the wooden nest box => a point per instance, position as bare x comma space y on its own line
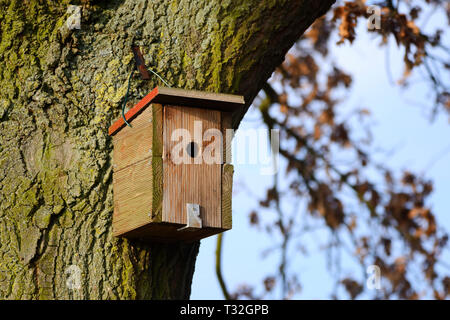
165, 188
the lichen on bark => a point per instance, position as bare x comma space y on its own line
62, 88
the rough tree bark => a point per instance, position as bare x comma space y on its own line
61, 89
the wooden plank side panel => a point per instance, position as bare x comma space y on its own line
157, 122
133, 189
190, 183
157, 192
227, 195
142, 140
133, 144
226, 124
133, 113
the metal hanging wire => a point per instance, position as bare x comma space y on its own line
140, 66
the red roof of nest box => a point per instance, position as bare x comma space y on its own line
181, 97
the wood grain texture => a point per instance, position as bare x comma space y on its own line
131, 114
227, 195
133, 144
137, 177
190, 183
133, 196
181, 97
149, 191
199, 99
157, 192
226, 124
157, 122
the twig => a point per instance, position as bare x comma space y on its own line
225, 292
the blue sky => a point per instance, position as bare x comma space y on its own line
400, 125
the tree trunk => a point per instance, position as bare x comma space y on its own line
60, 91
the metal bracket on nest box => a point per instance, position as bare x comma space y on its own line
140, 64
193, 217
